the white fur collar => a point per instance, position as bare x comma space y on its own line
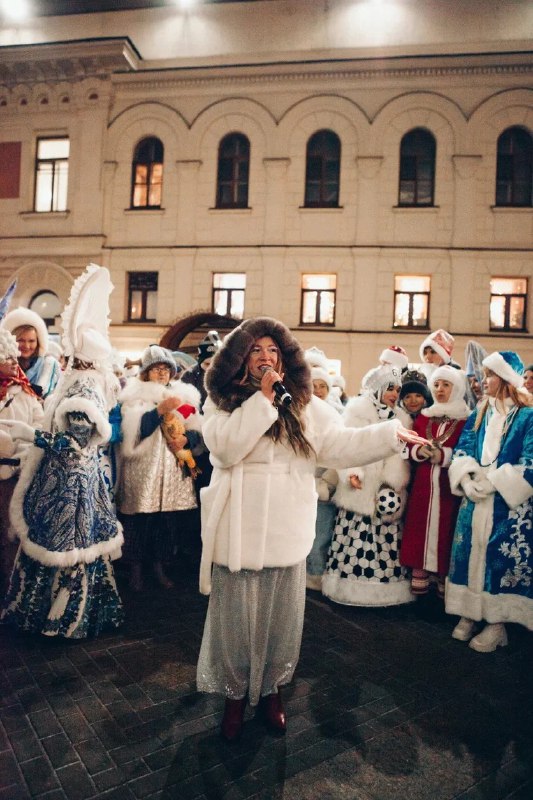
455, 410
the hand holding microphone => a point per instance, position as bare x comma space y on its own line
283, 397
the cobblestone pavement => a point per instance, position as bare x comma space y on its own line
384, 705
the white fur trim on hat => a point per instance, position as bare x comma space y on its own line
338, 380
55, 350
8, 346
25, 316
441, 342
394, 355
319, 374
498, 364
316, 358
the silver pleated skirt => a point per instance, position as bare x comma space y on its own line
253, 631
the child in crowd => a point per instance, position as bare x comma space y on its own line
363, 566
431, 507
492, 557
414, 394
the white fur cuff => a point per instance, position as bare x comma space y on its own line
514, 488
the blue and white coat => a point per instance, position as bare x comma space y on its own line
491, 570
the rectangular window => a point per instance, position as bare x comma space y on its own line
508, 304
228, 294
51, 174
411, 301
319, 294
142, 296
10, 170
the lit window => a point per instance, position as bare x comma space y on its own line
508, 302
514, 169
147, 174
228, 294
322, 170
417, 168
142, 296
51, 174
233, 171
411, 301
318, 299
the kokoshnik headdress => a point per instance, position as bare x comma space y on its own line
85, 318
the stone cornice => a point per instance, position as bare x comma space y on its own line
66, 61
351, 71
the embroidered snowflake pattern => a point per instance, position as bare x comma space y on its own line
518, 551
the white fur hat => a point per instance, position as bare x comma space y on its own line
379, 378
25, 316
8, 346
394, 355
85, 318
455, 376
319, 374
54, 349
316, 358
338, 380
441, 342
507, 365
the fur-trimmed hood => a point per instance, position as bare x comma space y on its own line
227, 367
25, 316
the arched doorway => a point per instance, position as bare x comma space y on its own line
187, 333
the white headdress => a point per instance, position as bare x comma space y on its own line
85, 318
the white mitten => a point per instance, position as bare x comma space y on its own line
19, 430
472, 490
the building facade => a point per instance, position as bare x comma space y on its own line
365, 194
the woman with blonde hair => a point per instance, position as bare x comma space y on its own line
491, 569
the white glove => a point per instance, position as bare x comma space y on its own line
473, 491
19, 430
484, 486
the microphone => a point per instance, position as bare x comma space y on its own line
282, 395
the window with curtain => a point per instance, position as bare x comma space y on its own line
322, 170
514, 168
142, 296
411, 301
319, 294
147, 174
417, 168
233, 171
508, 304
51, 174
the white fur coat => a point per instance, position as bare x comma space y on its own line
392, 471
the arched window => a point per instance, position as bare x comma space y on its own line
47, 304
417, 168
147, 174
514, 168
233, 171
323, 161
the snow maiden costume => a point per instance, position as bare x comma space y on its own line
258, 517
44, 370
431, 507
363, 566
491, 569
63, 582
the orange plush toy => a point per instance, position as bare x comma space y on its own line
172, 426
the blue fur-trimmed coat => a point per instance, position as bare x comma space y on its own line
491, 569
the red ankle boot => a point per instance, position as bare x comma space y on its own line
232, 720
272, 711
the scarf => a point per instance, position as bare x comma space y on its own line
20, 379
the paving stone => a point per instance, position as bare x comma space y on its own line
15, 791
119, 775
59, 750
26, 745
93, 709
76, 726
76, 782
45, 723
9, 769
39, 775
14, 719
94, 755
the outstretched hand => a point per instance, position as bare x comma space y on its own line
410, 437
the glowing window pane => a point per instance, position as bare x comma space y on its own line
319, 281
508, 286
497, 312
411, 283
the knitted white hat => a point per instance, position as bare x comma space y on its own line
507, 365
394, 355
319, 374
441, 342
154, 354
8, 346
25, 316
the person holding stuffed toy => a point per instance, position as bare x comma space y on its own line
363, 567
431, 507
156, 494
491, 570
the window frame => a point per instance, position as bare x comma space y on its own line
308, 290
236, 181
412, 294
417, 179
149, 183
144, 296
56, 176
229, 291
325, 162
510, 163
506, 328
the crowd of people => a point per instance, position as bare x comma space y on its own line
255, 466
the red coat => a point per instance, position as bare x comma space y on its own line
431, 507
